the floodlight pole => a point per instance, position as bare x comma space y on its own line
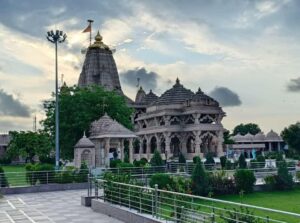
57, 37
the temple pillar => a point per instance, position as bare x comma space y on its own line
270, 147
278, 146
148, 152
168, 150
197, 145
196, 118
131, 150
106, 153
220, 144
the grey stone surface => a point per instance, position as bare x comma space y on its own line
123, 214
43, 188
49, 207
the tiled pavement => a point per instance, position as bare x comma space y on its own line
49, 207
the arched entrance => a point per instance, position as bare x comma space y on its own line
86, 157
144, 146
206, 144
190, 145
175, 146
153, 144
162, 145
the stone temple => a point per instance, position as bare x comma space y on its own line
178, 121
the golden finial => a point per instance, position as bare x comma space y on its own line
98, 37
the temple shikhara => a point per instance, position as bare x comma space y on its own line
178, 121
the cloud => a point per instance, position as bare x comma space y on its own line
11, 106
226, 97
294, 85
148, 79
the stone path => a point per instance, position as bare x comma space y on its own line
49, 207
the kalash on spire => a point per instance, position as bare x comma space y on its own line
99, 67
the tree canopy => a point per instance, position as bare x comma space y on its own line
78, 108
243, 129
291, 135
28, 144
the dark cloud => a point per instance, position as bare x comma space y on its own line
148, 79
11, 106
226, 97
294, 85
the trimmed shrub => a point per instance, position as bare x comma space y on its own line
31, 177
196, 159
260, 159
114, 163
200, 180
5, 160
3, 180
270, 182
209, 159
244, 180
45, 173
143, 161
181, 158
82, 174
242, 162
229, 165
124, 165
162, 180
298, 176
64, 177
284, 180
156, 159
223, 160
221, 184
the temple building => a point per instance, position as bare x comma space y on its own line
107, 141
178, 121
252, 145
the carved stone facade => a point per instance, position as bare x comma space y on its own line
179, 121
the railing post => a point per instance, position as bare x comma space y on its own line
156, 199
129, 203
47, 175
175, 209
268, 219
89, 186
140, 201
96, 190
181, 214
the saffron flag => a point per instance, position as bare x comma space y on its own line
87, 29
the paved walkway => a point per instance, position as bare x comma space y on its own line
49, 207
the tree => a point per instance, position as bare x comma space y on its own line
3, 180
156, 159
227, 139
28, 144
242, 162
291, 135
284, 180
243, 129
244, 180
200, 180
79, 107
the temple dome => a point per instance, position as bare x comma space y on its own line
203, 99
178, 94
259, 136
248, 137
106, 127
84, 142
150, 97
140, 95
273, 136
99, 67
237, 137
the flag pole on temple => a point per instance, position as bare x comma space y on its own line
89, 29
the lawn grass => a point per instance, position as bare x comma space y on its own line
15, 175
280, 200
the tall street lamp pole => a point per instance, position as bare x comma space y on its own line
56, 37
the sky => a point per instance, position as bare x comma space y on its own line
244, 53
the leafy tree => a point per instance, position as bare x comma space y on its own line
223, 160
3, 180
244, 180
196, 159
227, 139
242, 162
156, 159
200, 180
28, 144
291, 135
79, 107
181, 158
243, 129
